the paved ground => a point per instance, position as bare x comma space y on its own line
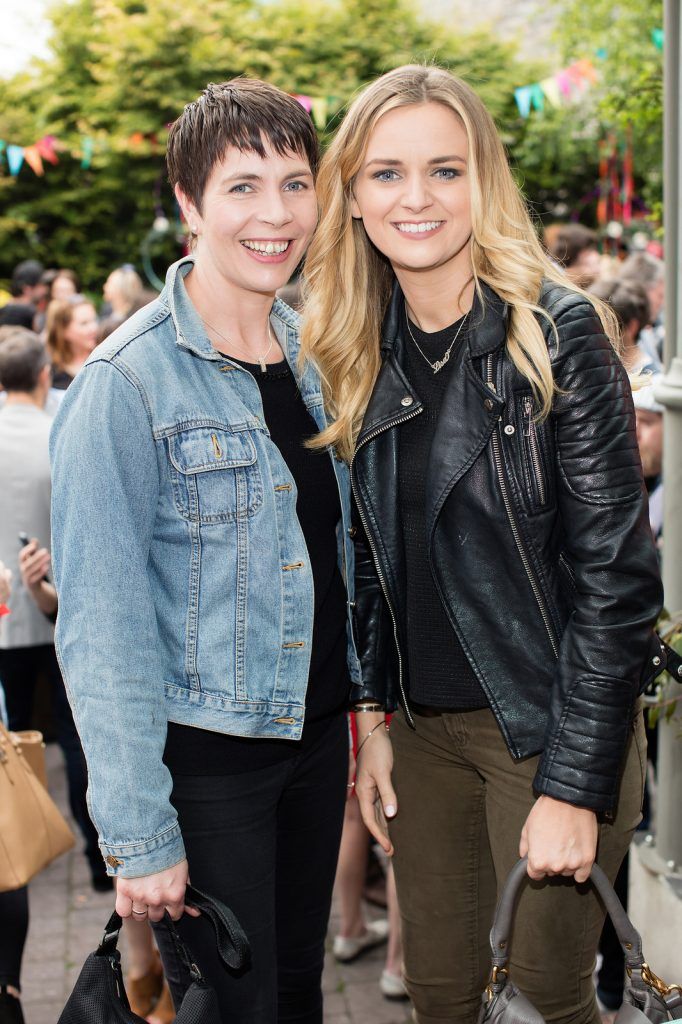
67, 920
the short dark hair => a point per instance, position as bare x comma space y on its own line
644, 268
245, 113
22, 357
26, 274
570, 240
627, 299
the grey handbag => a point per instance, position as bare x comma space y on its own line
646, 997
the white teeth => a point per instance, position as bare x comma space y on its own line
267, 248
416, 229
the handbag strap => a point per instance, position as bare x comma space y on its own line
231, 941
628, 936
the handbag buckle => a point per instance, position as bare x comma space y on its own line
494, 977
653, 981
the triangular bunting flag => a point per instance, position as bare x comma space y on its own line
658, 38
563, 80
46, 148
88, 149
15, 158
537, 96
34, 160
319, 111
523, 97
551, 89
587, 70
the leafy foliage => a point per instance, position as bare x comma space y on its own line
121, 67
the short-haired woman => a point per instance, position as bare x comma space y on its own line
200, 553
495, 467
71, 336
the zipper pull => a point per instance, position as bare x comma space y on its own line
528, 411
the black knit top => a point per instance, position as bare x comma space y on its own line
439, 672
192, 751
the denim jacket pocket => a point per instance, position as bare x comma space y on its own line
215, 474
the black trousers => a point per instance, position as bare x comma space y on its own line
266, 843
13, 929
20, 668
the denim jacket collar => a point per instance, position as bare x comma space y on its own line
190, 333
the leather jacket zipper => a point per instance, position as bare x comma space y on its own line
530, 433
497, 457
382, 582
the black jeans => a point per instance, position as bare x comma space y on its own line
266, 843
20, 668
13, 928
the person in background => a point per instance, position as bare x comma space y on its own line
123, 293
649, 271
72, 334
27, 634
628, 300
28, 291
574, 247
65, 285
649, 416
14, 904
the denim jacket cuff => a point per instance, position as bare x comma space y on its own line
132, 860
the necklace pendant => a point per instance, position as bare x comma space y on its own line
440, 363
263, 367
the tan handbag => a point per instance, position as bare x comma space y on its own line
32, 830
33, 748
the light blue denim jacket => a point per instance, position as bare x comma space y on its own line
185, 589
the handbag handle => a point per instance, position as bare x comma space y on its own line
232, 944
628, 936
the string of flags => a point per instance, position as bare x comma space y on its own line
563, 87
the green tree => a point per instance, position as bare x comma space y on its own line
121, 67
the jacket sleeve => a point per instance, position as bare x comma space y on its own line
104, 499
374, 638
607, 539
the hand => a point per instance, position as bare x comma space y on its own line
559, 839
149, 896
373, 786
350, 788
34, 564
5, 583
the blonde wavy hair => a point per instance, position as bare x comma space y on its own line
348, 282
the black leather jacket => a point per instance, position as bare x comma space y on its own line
539, 542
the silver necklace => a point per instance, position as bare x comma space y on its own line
439, 363
261, 358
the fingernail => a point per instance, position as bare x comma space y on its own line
389, 810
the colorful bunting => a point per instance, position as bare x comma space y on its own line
88, 149
46, 147
34, 160
15, 158
305, 101
320, 109
550, 88
523, 98
658, 38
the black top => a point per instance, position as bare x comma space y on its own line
62, 379
438, 670
192, 751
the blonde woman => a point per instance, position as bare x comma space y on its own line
508, 605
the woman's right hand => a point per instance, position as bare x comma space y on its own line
149, 896
373, 786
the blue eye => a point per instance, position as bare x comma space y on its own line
387, 175
296, 186
242, 189
447, 173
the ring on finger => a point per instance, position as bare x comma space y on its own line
140, 913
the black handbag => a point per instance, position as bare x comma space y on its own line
99, 996
646, 999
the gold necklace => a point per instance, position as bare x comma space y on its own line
260, 359
439, 363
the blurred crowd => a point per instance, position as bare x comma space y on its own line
48, 329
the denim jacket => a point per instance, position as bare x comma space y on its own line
185, 589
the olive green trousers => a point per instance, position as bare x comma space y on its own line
462, 802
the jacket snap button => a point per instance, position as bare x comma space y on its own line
407, 400
489, 404
352, 531
509, 429
657, 660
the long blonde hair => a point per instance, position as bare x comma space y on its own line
348, 282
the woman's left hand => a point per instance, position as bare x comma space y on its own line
559, 839
350, 788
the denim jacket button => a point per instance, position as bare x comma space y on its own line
352, 531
